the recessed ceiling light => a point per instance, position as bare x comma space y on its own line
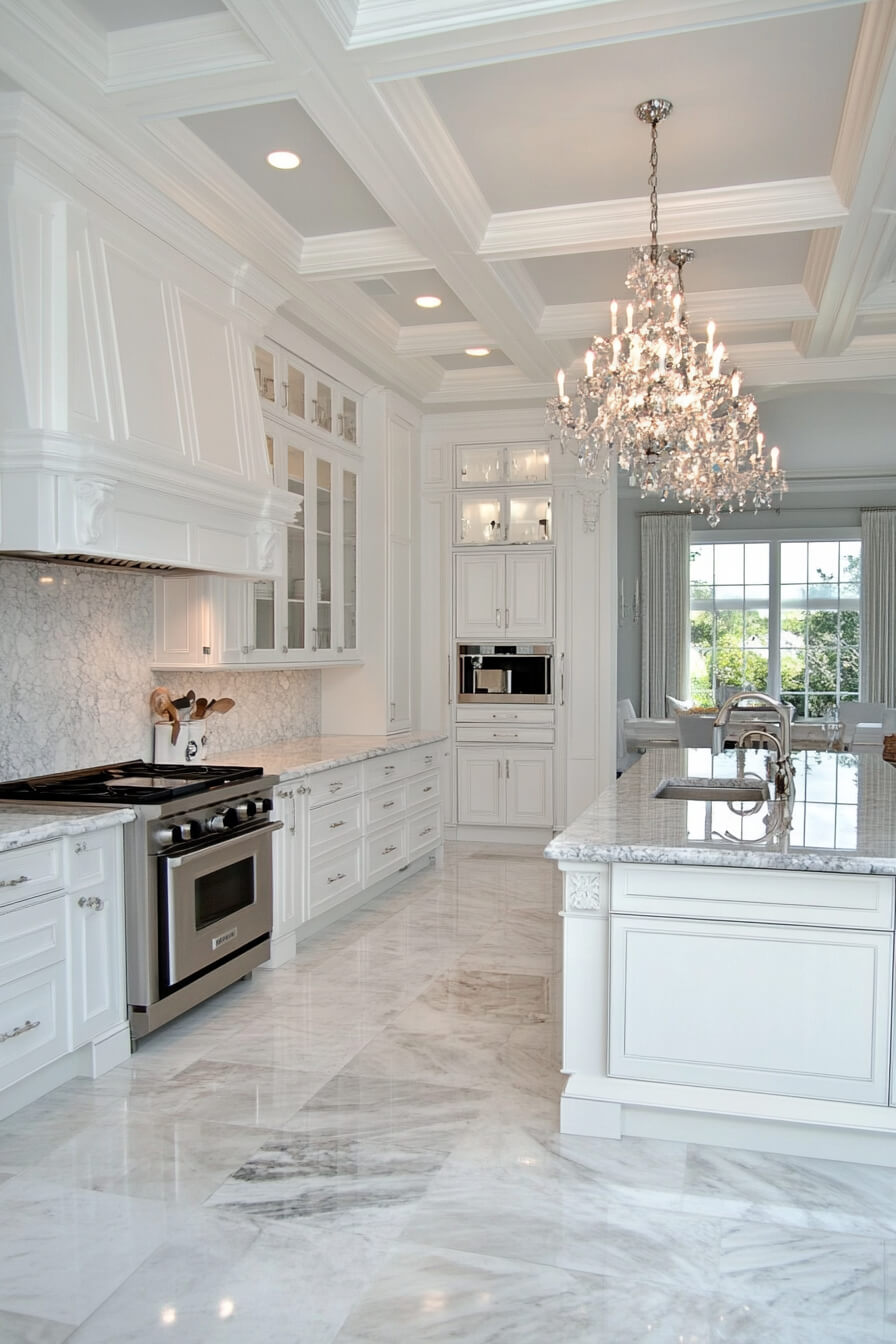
428, 301
283, 158
477, 351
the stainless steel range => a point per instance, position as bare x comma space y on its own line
198, 874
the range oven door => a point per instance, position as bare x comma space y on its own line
213, 901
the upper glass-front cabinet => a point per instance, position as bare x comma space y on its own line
503, 464
503, 517
299, 394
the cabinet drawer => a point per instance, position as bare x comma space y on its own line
31, 871
330, 784
334, 878
90, 859
384, 805
524, 717
468, 732
831, 900
32, 1022
336, 823
423, 789
31, 937
424, 831
418, 759
384, 852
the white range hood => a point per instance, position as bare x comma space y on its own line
130, 426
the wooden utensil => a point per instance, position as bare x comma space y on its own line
160, 702
220, 706
199, 708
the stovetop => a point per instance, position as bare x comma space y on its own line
127, 782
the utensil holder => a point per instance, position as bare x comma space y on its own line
191, 747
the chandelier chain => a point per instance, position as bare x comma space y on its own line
652, 181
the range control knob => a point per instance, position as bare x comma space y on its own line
191, 830
224, 820
247, 809
264, 804
169, 835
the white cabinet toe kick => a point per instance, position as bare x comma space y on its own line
742, 1007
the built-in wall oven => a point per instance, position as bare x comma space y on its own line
521, 674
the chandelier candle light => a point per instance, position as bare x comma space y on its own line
660, 403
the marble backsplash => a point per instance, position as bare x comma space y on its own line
76, 655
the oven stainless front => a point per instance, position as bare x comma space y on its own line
214, 900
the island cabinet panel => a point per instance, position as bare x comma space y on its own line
803, 1012
832, 900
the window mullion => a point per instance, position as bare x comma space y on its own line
774, 620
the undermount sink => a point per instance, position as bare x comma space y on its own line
714, 790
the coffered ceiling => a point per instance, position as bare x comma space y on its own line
486, 152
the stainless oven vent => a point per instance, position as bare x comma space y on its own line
96, 561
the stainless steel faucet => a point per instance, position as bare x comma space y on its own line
780, 742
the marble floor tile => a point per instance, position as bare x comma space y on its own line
492, 996
411, 1114
18, 1329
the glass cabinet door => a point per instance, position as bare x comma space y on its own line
264, 615
530, 464
294, 390
295, 551
264, 375
480, 520
348, 420
480, 465
349, 560
322, 405
529, 519
323, 631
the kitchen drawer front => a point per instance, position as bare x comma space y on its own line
424, 831
31, 871
468, 732
32, 937
330, 784
423, 790
384, 852
523, 717
388, 769
336, 823
32, 1022
828, 900
334, 878
90, 859
385, 805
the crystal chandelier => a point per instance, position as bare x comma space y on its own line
661, 404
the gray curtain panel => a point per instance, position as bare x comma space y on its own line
665, 610
879, 605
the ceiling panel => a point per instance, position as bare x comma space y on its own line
408, 284
558, 129
720, 263
114, 15
461, 361
321, 196
876, 324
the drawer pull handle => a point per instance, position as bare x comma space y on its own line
334, 788
334, 825
14, 881
428, 789
91, 903
18, 1031
388, 769
337, 878
426, 830
390, 849
392, 804
427, 760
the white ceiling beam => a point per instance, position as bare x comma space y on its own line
863, 160
772, 363
364, 252
719, 212
500, 382
726, 307
156, 53
441, 338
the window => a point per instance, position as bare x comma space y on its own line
776, 616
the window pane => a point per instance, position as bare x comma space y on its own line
756, 562
824, 561
701, 565
793, 562
729, 564
850, 561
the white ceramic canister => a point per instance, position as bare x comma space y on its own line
191, 747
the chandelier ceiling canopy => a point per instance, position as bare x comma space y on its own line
661, 404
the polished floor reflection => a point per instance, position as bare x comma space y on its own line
362, 1147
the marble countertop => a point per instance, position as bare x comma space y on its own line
307, 755
28, 823
843, 819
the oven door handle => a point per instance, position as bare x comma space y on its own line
180, 860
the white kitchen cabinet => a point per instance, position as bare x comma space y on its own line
400, 654
506, 595
503, 518
290, 875
505, 785
479, 464
201, 620
95, 899
302, 396
798, 1011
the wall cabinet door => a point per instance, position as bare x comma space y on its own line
400, 578
479, 596
96, 934
529, 595
803, 1012
300, 395
528, 781
505, 596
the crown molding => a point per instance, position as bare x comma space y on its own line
156, 53
437, 155
881, 300
873, 56
777, 362
496, 383
379, 21
719, 212
477, 426
731, 307
69, 32
440, 338
363, 252
342, 15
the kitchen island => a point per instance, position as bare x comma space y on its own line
728, 966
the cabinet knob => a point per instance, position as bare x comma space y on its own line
91, 903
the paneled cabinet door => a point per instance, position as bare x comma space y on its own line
505, 596
802, 1012
96, 933
290, 860
528, 781
479, 596
480, 786
529, 596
